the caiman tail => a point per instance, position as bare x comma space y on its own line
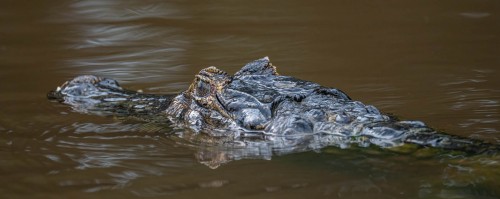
452, 142
394, 133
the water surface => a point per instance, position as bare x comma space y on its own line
437, 62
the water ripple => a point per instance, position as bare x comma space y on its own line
475, 15
121, 10
469, 94
117, 39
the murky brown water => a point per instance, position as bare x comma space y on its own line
435, 61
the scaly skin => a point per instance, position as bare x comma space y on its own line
102, 96
259, 108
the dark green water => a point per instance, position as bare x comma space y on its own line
434, 61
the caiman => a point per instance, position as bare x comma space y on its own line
258, 107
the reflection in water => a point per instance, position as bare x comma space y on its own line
436, 61
387, 100
116, 11
97, 157
115, 39
469, 95
111, 156
175, 188
475, 15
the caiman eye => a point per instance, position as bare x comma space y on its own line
202, 89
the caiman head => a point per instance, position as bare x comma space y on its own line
86, 86
212, 106
89, 93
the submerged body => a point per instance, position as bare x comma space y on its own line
257, 106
